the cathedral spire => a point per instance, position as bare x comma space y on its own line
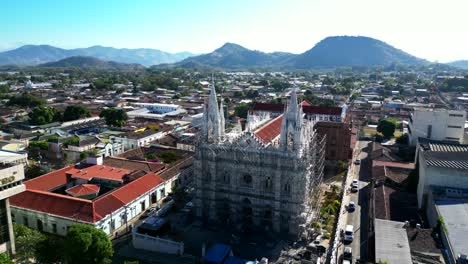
213, 125
291, 124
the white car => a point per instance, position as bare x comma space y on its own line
355, 183
349, 233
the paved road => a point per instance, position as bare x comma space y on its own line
358, 220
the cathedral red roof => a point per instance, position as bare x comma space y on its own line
270, 130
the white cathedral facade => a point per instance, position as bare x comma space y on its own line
266, 177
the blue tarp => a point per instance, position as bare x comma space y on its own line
217, 254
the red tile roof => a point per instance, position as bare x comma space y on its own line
125, 194
393, 164
270, 130
49, 181
36, 197
55, 204
307, 108
83, 189
305, 103
99, 171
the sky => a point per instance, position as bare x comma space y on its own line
433, 30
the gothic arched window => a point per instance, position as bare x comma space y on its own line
287, 188
268, 183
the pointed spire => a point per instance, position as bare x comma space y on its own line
214, 122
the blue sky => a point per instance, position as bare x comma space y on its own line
435, 30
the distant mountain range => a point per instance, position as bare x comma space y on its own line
91, 62
329, 53
462, 64
39, 54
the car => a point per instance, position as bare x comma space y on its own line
345, 261
357, 162
354, 189
355, 183
351, 206
348, 254
349, 233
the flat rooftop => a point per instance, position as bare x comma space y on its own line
455, 215
391, 242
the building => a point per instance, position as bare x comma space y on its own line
156, 110
437, 124
338, 143
391, 242
260, 178
447, 210
103, 196
441, 164
132, 140
11, 181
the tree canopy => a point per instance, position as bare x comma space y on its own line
44, 115
114, 117
87, 244
74, 112
26, 100
387, 127
242, 110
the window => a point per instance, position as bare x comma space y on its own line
143, 205
452, 138
456, 115
287, 188
13, 219
429, 131
25, 221
247, 179
268, 184
54, 228
112, 224
454, 127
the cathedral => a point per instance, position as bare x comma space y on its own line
266, 177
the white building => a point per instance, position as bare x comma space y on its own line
437, 124
55, 201
132, 140
441, 164
11, 183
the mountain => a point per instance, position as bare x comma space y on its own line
462, 64
91, 62
38, 54
234, 56
352, 51
329, 53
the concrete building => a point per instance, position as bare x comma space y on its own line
338, 143
391, 242
261, 178
447, 209
437, 124
132, 140
103, 196
11, 183
441, 164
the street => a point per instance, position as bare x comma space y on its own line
356, 219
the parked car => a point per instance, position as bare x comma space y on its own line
351, 206
354, 189
355, 183
348, 254
357, 162
349, 233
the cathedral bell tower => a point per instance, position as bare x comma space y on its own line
290, 138
213, 118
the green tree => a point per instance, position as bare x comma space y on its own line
242, 109
74, 112
26, 100
26, 243
87, 244
5, 259
33, 171
44, 115
387, 127
114, 117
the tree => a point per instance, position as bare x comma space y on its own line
387, 127
26, 243
114, 117
33, 171
87, 244
42, 115
74, 112
242, 109
5, 259
26, 100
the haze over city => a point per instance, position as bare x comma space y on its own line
426, 29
